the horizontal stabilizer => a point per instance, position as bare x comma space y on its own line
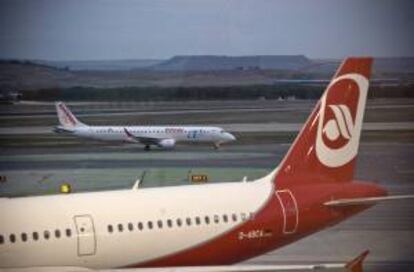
365, 200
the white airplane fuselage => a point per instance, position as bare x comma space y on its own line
161, 136
177, 133
89, 215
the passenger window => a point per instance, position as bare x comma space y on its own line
1, 239
159, 224
225, 219
243, 216
188, 220
130, 226
179, 222
69, 232
120, 227
207, 220
150, 224
46, 234
110, 228
35, 236
57, 234
216, 219
140, 226
169, 223
24, 237
234, 217
251, 216
12, 238
197, 220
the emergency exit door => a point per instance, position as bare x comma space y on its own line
86, 235
290, 211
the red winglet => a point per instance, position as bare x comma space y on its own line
355, 265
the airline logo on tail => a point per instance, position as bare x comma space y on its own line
66, 118
340, 120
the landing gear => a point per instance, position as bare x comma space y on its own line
217, 146
147, 148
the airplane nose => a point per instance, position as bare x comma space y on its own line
231, 137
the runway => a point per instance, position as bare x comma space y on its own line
36, 161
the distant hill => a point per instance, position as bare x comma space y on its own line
219, 63
391, 65
101, 65
298, 63
24, 75
186, 71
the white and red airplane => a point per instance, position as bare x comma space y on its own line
210, 225
164, 137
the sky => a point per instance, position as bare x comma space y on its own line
160, 29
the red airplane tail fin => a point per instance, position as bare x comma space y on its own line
326, 148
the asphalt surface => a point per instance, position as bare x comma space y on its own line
387, 229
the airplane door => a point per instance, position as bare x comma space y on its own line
86, 235
290, 211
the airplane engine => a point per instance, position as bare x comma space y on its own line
167, 143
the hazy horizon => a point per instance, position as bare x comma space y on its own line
164, 59
107, 30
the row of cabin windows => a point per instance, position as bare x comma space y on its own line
216, 219
35, 236
147, 131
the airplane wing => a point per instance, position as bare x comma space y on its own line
143, 140
365, 200
355, 265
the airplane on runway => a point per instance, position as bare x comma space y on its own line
214, 225
164, 137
